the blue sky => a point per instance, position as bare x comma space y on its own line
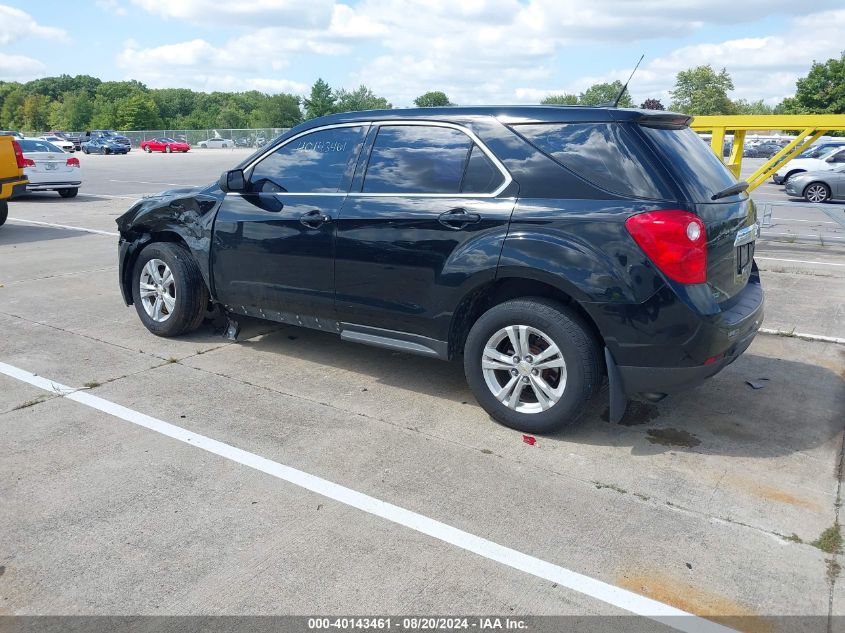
477, 51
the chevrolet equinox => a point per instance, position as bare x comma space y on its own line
549, 247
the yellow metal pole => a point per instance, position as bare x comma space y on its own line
801, 142
717, 141
735, 159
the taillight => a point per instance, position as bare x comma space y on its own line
675, 241
19, 155
73, 162
28, 162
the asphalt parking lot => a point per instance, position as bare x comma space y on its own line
292, 473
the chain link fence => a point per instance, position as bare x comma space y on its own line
197, 138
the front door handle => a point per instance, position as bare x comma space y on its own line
314, 219
458, 218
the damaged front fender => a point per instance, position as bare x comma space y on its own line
179, 215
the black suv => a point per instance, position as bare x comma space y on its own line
548, 246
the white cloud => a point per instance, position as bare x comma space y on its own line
16, 25
111, 6
291, 13
20, 68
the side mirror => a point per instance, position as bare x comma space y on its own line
232, 180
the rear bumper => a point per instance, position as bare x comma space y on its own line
10, 190
677, 348
50, 186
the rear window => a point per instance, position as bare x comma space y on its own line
691, 161
606, 154
38, 146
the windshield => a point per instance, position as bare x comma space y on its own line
38, 146
690, 160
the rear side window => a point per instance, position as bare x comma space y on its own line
314, 163
606, 154
691, 161
481, 174
417, 159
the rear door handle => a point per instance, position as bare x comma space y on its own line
458, 218
314, 219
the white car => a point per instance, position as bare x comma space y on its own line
48, 168
66, 145
216, 143
833, 158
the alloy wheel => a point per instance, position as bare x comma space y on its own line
816, 193
157, 290
524, 369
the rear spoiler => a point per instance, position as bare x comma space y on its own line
664, 120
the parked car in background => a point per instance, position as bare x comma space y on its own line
831, 159
104, 145
74, 138
49, 168
11, 133
260, 141
217, 143
243, 142
819, 149
58, 141
762, 150
113, 136
164, 144
545, 247
12, 178
818, 186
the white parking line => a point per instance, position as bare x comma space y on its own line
145, 182
65, 226
607, 593
812, 235
803, 335
108, 195
799, 261
797, 220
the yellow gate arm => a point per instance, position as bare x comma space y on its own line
812, 126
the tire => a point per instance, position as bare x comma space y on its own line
203, 146
816, 192
187, 291
106, 150
547, 322
69, 192
4, 212
167, 149
148, 149
85, 151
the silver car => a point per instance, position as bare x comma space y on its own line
818, 186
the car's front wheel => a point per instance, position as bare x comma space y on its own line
532, 364
168, 290
4, 212
816, 192
167, 149
69, 192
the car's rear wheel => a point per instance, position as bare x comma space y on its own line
4, 212
816, 192
532, 364
106, 150
69, 192
167, 149
168, 290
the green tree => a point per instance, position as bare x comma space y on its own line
652, 104
362, 98
822, 91
701, 90
433, 99
137, 111
35, 113
281, 110
321, 101
72, 113
741, 106
598, 94
11, 112
561, 99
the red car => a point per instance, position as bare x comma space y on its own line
164, 145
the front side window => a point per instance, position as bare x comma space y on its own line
314, 163
411, 159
